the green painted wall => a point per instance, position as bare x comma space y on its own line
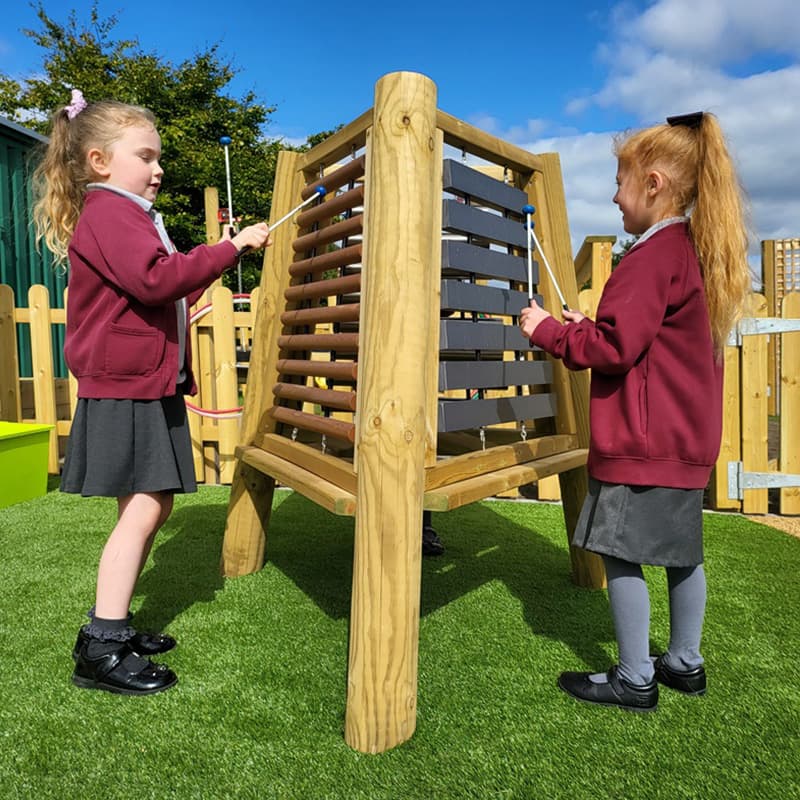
21, 264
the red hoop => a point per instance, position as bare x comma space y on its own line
222, 413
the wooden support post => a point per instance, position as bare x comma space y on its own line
572, 388
403, 186
211, 203
250, 504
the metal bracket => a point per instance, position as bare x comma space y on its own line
739, 480
752, 326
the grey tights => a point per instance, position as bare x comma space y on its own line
630, 609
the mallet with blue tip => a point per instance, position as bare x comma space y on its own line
319, 192
527, 211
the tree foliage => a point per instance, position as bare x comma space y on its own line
616, 256
191, 105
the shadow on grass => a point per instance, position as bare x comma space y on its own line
315, 550
184, 568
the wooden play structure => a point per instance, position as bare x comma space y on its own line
418, 264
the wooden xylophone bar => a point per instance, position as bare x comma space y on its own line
326, 261
332, 233
321, 314
351, 171
328, 288
343, 202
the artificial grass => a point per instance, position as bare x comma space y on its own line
259, 709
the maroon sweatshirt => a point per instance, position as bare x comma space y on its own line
656, 387
122, 329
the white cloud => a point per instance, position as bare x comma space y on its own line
719, 31
672, 59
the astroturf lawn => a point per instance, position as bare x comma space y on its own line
259, 708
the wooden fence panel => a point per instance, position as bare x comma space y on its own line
47, 399
44, 391
10, 408
225, 380
731, 444
754, 416
790, 406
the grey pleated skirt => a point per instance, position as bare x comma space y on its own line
122, 447
642, 524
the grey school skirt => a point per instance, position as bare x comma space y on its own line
642, 524
122, 447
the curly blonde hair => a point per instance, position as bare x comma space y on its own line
703, 183
62, 174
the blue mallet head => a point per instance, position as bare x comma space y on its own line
225, 140
321, 191
528, 210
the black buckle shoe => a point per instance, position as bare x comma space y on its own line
108, 673
432, 545
692, 681
617, 692
151, 644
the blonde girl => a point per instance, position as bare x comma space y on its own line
127, 345
655, 351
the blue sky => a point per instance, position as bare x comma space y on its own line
557, 77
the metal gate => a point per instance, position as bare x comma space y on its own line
741, 479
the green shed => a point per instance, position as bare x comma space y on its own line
22, 264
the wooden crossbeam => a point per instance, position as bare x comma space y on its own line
315, 488
336, 470
479, 462
470, 490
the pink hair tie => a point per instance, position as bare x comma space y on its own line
77, 104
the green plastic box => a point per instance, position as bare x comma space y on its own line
23, 461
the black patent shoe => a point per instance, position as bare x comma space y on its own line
692, 681
432, 545
151, 644
617, 692
108, 673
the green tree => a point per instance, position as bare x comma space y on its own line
616, 256
189, 101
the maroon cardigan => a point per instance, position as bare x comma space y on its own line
122, 331
656, 388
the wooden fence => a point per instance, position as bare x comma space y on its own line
221, 336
